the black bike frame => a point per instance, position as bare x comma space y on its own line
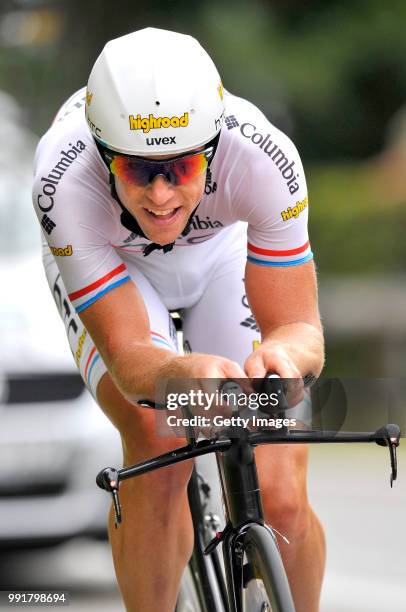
243, 506
239, 483
199, 562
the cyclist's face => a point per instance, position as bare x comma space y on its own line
161, 209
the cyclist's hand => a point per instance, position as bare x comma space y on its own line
202, 366
197, 376
273, 357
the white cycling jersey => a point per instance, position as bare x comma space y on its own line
255, 189
256, 177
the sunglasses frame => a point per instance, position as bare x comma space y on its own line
155, 164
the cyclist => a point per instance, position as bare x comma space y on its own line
147, 186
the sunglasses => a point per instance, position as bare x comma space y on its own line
140, 172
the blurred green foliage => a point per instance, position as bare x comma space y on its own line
354, 357
354, 229
331, 73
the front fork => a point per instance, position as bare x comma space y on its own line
233, 553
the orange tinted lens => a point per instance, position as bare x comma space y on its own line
188, 168
140, 172
130, 170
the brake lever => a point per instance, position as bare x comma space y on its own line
393, 462
389, 435
277, 386
108, 480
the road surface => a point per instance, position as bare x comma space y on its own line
349, 488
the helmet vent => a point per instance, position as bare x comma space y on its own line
157, 102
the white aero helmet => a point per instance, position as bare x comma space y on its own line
154, 92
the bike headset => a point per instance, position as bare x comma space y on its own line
160, 81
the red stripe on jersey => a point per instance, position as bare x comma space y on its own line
77, 294
277, 253
159, 335
92, 352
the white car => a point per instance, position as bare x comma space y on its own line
53, 437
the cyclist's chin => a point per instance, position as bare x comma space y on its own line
164, 230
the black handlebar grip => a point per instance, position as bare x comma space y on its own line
100, 480
388, 434
272, 384
107, 479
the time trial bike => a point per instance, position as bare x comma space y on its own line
251, 576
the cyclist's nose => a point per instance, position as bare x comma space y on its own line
160, 190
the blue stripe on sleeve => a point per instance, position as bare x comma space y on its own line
262, 262
101, 293
91, 368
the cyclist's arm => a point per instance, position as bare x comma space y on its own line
119, 326
284, 304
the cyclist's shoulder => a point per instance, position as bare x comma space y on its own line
69, 174
72, 108
68, 136
67, 153
246, 127
257, 161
